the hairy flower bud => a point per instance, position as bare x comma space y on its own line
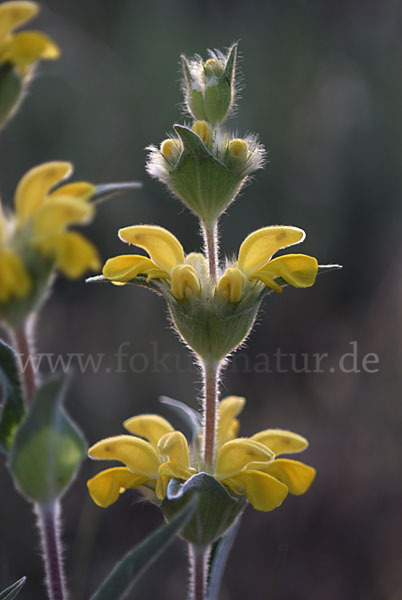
209, 87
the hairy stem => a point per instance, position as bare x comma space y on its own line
210, 376
211, 249
198, 557
48, 521
48, 514
22, 341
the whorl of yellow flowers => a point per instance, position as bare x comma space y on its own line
187, 275
157, 453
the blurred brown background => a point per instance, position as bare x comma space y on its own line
323, 90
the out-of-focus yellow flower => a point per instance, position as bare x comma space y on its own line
14, 279
24, 48
255, 263
39, 228
167, 261
246, 465
43, 216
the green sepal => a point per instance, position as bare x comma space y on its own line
11, 88
48, 447
200, 180
12, 408
13, 590
218, 96
230, 66
106, 191
217, 510
191, 417
133, 565
194, 97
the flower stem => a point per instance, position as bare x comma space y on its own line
198, 556
48, 521
22, 341
210, 375
48, 514
211, 249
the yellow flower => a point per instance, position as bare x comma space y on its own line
167, 261
40, 224
255, 263
151, 462
24, 48
44, 216
246, 465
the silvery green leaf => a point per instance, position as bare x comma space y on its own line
133, 565
154, 285
190, 416
13, 590
12, 408
107, 190
219, 556
321, 269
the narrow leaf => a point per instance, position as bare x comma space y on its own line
321, 269
140, 280
105, 191
13, 590
190, 416
133, 565
220, 555
12, 409
48, 447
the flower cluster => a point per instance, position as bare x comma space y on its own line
248, 466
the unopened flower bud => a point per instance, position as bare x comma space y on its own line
214, 67
203, 130
209, 87
238, 149
170, 149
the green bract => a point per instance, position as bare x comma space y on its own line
204, 183
205, 168
216, 512
213, 328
